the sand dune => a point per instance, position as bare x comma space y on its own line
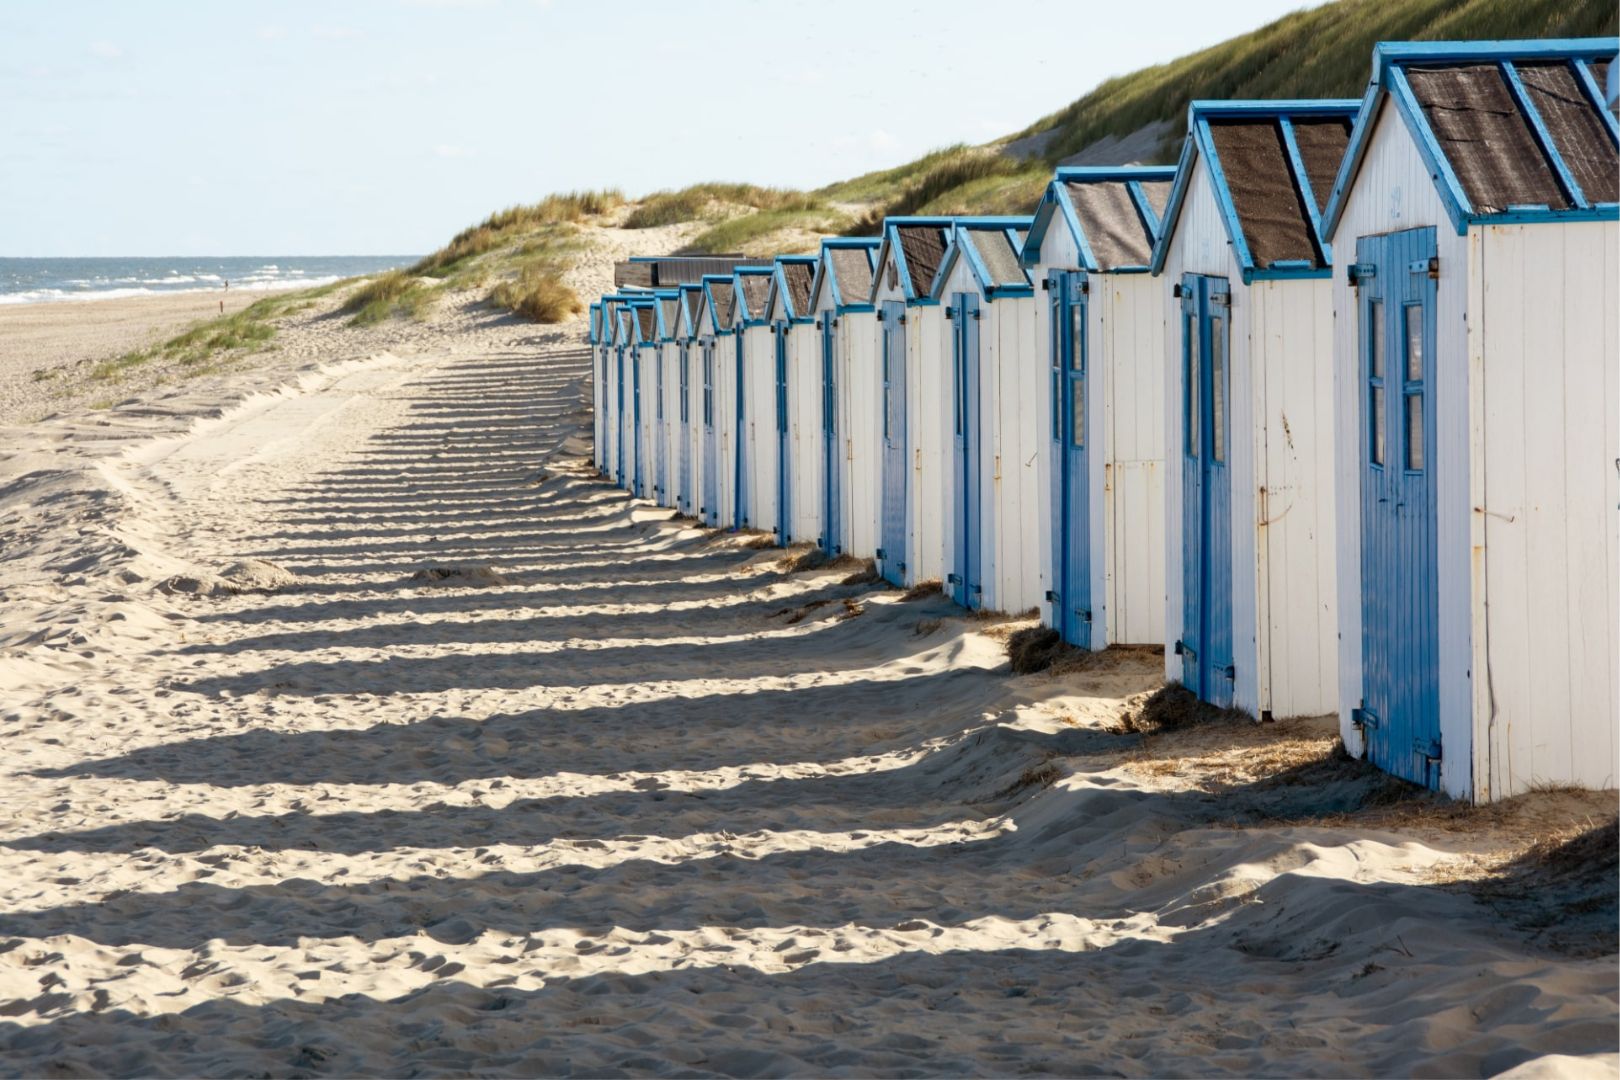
607, 806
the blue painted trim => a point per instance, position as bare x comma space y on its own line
1172, 209
1302, 181
1223, 195
962, 243
1599, 212
1521, 97
1595, 94
1044, 210
891, 242
1144, 209
828, 273
1388, 79
1450, 188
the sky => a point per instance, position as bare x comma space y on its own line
385, 126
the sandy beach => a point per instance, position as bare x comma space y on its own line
354, 727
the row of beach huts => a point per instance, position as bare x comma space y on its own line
1330, 409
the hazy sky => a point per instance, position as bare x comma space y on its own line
383, 126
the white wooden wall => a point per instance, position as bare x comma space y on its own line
648, 355
599, 408
929, 431
669, 359
804, 431
860, 397
1290, 342
1393, 191
1058, 252
694, 427
1128, 313
760, 386
1546, 355
725, 424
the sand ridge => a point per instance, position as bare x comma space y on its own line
612, 810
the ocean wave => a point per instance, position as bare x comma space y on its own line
50, 296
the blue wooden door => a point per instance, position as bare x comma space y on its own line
1206, 490
1400, 591
965, 578
832, 458
709, 510
739, 440
1071, 442
660, 468
894, 467
783, 471
683, 412
618, 416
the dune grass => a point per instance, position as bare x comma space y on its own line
768, 232
714, 200
398, 292
504, 226
247, 331
538, 293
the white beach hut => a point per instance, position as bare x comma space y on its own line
755, 468
717, 337
992, 497
665, 389
1477, 365
640, 407
1102, 348
911, 387
1250, 616
841, 302
594, 338
797, 403
619, 316
688, 397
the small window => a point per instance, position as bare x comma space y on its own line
1077, 402
1077, 337
1414, 431
1217, 372
958, 397
1413, 316
1191, 385
1375, 419
1375, 339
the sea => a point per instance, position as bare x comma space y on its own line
35, 281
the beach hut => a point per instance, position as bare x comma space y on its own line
688, 398
1102, 346
909, 387
1477, 364
662, 426
618, 467
841, 302
606, 368
640, 408
991, 495
797, 370
593, 338
1250, 617
717, 339
755, 466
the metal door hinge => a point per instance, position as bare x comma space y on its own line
1046, 284
1355, 273
1361, 719
902, 320
1051, 597
1230, 672
1430, 266
1085, 288
1175, 291
1427, 749
952, 579
1085, 615
975, 314
882, 554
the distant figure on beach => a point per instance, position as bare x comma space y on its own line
227, 282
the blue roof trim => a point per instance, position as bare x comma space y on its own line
1302, 180
1200, 142
890, 242
1544, 139
962, 244
745, 316
1389, 79
1055, 201
828, 273
592, 332
709, 281
1594, 93
779, 285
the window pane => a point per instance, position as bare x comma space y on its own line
1217, 371
1375, 425
1191, 387
1414, 431
1077, 401
1056, 321
1077, 337
1414, 342
1375, 339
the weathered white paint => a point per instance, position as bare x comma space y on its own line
1527, 395
725, 423
648, 355
1125, 330
1014, 483
1279, 462
759, 387
860, 397
804, 431
669, 363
